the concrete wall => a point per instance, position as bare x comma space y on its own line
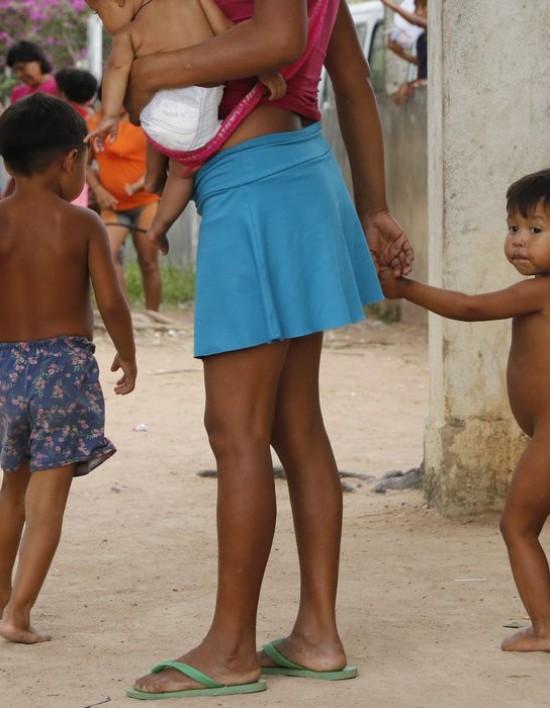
489, 112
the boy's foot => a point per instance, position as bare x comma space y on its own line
21, 635
526, 640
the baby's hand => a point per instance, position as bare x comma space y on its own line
275, 84
390, 284
127, 382
107, 128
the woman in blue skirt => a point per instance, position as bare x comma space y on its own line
282, 257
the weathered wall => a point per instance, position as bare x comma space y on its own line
489, 113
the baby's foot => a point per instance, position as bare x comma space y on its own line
526, 640
22, 635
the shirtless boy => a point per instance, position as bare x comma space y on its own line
178, 120
51, 405
527, 248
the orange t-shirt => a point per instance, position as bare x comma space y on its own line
122, 163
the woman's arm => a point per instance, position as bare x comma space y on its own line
362, 134
274, 36
410, 17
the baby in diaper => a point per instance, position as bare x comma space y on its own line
174, 120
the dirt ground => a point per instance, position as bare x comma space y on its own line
423, 600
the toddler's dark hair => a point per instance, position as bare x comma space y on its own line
78, 85
24, 51
527, 192
36, 129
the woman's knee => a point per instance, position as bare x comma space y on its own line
515, 526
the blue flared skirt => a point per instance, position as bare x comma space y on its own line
281, 251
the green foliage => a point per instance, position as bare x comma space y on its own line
177, 285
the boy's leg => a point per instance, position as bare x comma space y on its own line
45, 501
526, 510
148, 258
241, 388
12, 520
157, 169
302, 445
175, 197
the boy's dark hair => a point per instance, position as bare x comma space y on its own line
24, 51
79, 86
36, 129
527, 192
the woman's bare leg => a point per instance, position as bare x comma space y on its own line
526, 510
45, 501
12, 520
301, 442
241, 389
148, 259
117, 235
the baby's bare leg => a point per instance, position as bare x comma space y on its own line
157, 170
175, 197
526, 510
45, 501
12, 520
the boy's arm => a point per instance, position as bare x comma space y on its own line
113, 88
112, 305
519, 299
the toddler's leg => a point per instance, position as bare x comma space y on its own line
526, 510
157, 168
12, 520
45, 501
175, 197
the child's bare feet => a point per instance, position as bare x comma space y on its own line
526, 640
22, 635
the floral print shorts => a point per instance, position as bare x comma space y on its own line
52, 411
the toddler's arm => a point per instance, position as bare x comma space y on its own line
113, 89
520, 299
112, 305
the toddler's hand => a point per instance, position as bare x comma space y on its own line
127, 382
389, 283
275, 84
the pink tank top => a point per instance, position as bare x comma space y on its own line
302, 88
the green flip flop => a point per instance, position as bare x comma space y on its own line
211, 687
286, 667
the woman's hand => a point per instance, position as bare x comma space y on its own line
388, 244
104, 198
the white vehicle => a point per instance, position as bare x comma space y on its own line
369, 25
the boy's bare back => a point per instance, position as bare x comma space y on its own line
48, 251
168, 25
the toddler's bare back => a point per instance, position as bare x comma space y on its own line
168, 25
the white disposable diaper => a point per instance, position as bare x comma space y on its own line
182, 119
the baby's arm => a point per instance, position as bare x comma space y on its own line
113, 88
112, 305
217, 19
520, 299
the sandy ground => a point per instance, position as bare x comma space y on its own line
423, 600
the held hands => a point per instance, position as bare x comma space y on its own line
390, 284
275, 84
106, 128
388, 244
127, 382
